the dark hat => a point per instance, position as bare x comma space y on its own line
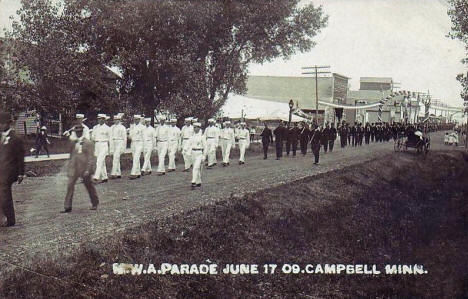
5, 118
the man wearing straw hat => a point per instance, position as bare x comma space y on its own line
243, 136
136, 136
174, 144
118, 144
228, 141
198, 146
185, 134
101, 137
80, 118
162, 142
212, 140
149, 144
80, 165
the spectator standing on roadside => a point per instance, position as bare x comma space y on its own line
42, 142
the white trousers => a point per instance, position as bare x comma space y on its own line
186, 154
162, 152
172, 150
101, 151
147, 151
226, 146
119, 149
211, 145
197, 158
137, 149
242, 148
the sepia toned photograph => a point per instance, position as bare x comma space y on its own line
234, 149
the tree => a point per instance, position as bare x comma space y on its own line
61, 76
187, 56
458, 12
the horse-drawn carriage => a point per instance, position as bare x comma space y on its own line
418, 140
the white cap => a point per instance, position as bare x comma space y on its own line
243, 123
161, 117
101, 115
197, 124
137, 116
107, 117
211, 120
44, 128
173, 120
195, 119
118, 116
79, 115
227, 122
188, 118
148, 119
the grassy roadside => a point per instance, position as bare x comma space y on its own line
404, 209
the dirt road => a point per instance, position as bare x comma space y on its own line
42, 230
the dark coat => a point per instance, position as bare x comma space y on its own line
332, 134
294, 134
324, 136
11, 159
280, 134
81, 162
304, 134
267, 136
315, 137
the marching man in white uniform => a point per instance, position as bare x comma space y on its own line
86, 132
227, 139
243, 136
162, 143
101, 137
118, 144
198, 146
149, 144
185, 134
212, 141
174, 144
136, 135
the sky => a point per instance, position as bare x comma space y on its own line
402, 39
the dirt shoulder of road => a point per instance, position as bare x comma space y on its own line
402, 209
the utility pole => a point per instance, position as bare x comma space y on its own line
316, 72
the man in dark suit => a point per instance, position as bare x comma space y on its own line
80, 165
280, 135
42, 141
331, 137
304, 135
324, 139
287, 138
267, 137
315, 140
294, 136
12, 168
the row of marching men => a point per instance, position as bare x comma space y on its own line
197, 146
